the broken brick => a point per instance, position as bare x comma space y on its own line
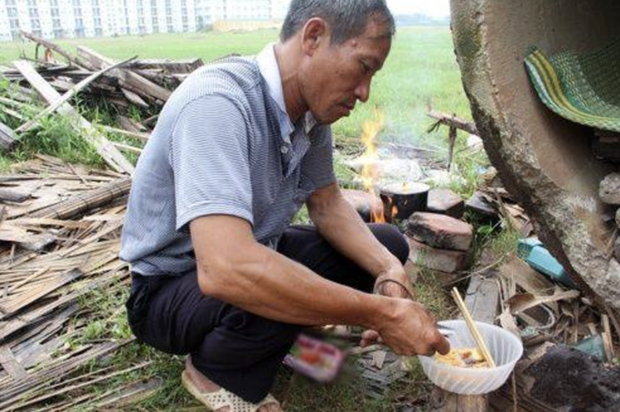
445, 202
441, 231
478, 204
447, 261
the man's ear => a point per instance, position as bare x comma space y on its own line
314, 33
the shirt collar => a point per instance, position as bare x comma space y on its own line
269, 69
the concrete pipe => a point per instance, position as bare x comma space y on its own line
543, 160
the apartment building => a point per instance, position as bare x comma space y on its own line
91, 18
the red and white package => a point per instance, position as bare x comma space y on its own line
314, 358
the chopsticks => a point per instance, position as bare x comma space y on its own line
473, 329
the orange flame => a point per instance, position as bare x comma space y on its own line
370, 158
393, 212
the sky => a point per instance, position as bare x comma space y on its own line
434, 8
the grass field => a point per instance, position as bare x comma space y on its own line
420, 71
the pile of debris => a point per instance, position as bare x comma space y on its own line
145, 84
75, 213
530, 294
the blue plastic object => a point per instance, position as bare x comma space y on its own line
537, 256
525, 246
593, 346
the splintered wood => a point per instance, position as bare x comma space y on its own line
46, 363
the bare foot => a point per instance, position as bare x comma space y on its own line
205, 385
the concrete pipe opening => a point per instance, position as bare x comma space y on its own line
543, 160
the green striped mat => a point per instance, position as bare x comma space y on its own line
584, 89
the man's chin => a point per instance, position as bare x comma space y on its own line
330, 118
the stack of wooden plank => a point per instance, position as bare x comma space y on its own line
146, 83
143, 84
59, 243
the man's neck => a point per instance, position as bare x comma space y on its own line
288, 64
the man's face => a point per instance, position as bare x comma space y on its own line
336, 77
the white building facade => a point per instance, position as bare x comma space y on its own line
92, 18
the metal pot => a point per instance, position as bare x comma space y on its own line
401, 200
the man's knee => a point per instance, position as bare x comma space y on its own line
392, 239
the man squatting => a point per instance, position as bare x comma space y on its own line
218, 272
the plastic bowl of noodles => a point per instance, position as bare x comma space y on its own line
463, 371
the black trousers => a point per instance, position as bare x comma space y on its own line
236, 349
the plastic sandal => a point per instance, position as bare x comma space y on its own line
223, 398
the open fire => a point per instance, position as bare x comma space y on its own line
370, 159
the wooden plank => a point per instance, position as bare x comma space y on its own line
11, 365
142, 136
170, 66
127, 77
7, 137
130, 125
128, 148
69, 388
20, 322
134, 98
9, 307
108, 152
85, 201
482, 299
49, 45
14, 195
68, 96
13, 391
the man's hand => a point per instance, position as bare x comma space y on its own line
411, 330
394, 283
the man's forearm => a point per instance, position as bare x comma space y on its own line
269, 284
342, 227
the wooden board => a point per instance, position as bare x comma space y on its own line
108, 152
7, 137
134, 81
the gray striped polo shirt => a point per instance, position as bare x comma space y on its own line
223, 145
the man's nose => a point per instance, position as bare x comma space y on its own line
362, 92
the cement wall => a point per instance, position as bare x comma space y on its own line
542, 159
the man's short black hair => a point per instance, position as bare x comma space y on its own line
347, 18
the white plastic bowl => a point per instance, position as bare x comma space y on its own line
505, 348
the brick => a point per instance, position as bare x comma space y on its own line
445, 202
478, 204
441, 231
441, 260
363, 202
